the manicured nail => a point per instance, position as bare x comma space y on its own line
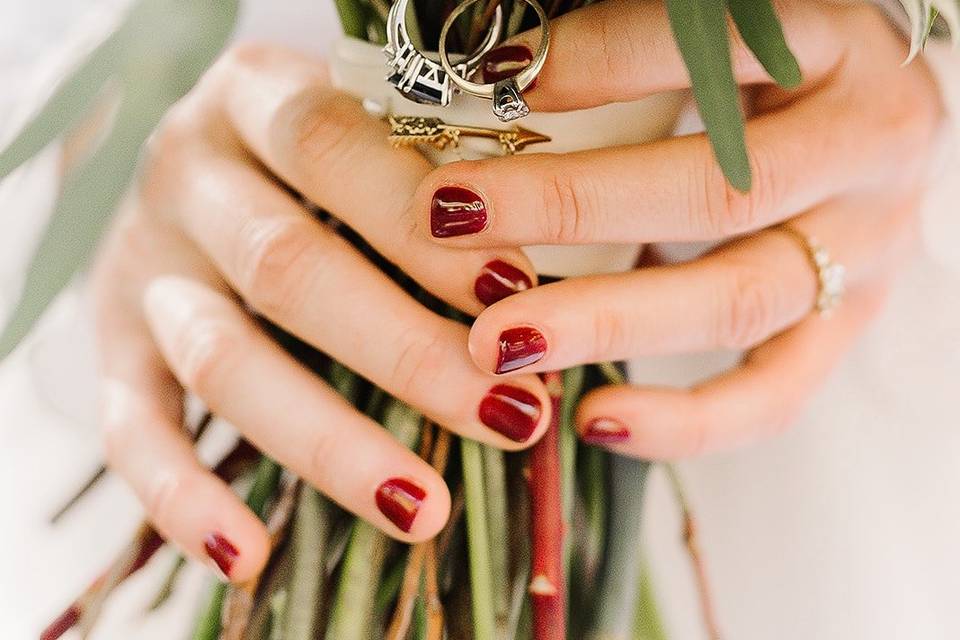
456, 211
399, 500
511, 411
221, 551
520, 347
605, 431
498, 280
505, 62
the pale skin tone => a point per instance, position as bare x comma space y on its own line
843, 158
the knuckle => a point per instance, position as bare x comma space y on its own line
747, 305
419, 365
162, 496
323, 447
202, 350
569, 208
270, 259
317, 126
725, 209
611, 335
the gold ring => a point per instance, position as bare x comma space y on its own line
831, 276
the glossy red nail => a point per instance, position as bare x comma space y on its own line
605, 431
520, 347
505, 62
399, 500
221, 551
456, 211
499, 280
511, 411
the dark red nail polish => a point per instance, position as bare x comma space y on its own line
520, 347
399, 500
221, 551
510, 411
605, 431
499, 280
505, 62
456, 211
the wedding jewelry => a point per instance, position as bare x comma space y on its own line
507, 95
831, 276
410, 130
417, 77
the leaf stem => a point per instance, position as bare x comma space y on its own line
481, 580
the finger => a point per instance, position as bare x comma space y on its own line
733, 298
632, 43
323, 144
141, 413
216, 351
758, 399
674, 190
310, 281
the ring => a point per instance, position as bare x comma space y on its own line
831, 276
507, 95
417, 77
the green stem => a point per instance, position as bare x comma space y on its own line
617, 601
495, 476
647, 623
481, 581
572, 391
351, 17
310, 530
351, 616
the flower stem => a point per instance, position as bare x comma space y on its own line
351, 614
481, 581
311, 527
495, 476
572, 390
617, 600
547, 587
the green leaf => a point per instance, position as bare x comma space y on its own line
164, 47
351, 18
69, 102
700, 28
760, 29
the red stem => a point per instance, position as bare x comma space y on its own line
547, 589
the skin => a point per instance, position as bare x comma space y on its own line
210, 226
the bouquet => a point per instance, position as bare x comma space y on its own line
542, 544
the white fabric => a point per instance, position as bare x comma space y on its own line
845, 527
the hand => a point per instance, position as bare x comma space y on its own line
843, 156
210, 226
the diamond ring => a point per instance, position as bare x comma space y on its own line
831, 276
416, 76
507, 95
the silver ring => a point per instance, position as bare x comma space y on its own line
507, 95
831, 276
417, 77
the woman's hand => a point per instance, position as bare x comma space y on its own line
212, 228
846, 153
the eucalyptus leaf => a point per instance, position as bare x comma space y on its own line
70, 101
700, 29
162, 49
761, 30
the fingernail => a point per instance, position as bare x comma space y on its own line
498, 280
221, 551
605, 431
511, 411
399, 500
520, 347
505, 62
456, 211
